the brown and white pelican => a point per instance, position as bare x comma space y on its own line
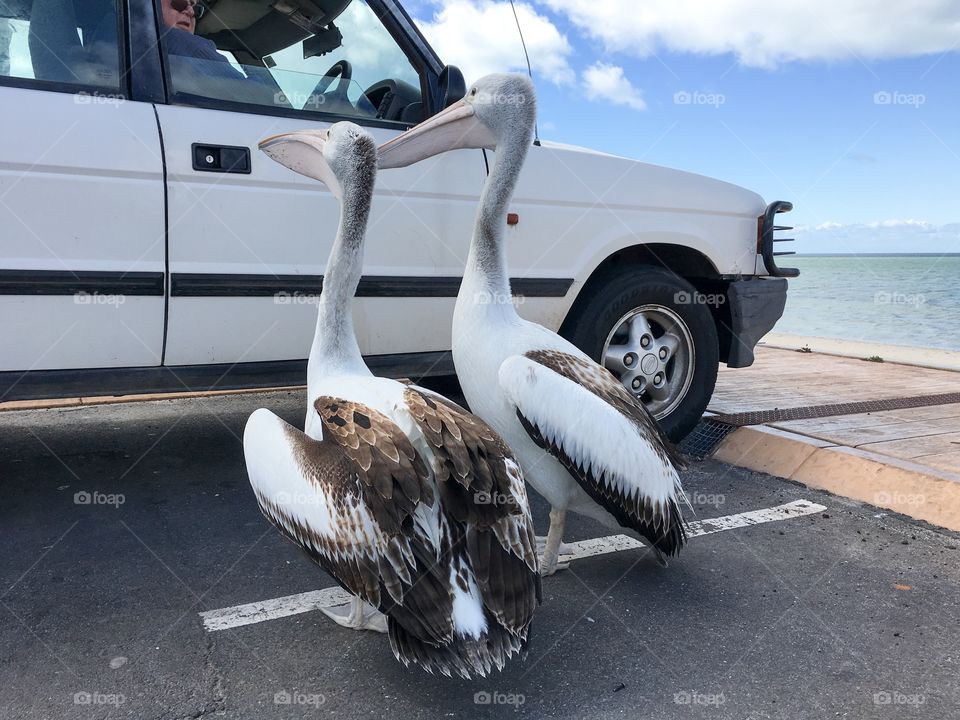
412, 504
607, 457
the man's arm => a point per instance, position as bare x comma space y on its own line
55, 49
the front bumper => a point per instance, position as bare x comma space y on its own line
755, 306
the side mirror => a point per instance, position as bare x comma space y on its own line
451, 86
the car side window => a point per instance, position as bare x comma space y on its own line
331, 57
72, 42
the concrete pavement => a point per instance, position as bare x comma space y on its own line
904, 459
123, 523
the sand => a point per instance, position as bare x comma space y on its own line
900, 354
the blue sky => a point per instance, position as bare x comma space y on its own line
851, 113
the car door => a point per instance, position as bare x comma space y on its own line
81, 194
248, 238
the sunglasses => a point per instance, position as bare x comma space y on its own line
199, 9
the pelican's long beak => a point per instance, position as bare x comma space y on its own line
302, 152
454, 128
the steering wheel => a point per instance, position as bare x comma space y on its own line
343, 70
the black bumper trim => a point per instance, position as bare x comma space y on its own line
755, 307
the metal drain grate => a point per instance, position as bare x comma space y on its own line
710, 431
760, 417
704, 438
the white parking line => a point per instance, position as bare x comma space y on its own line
272, 609
616, 543
256, 612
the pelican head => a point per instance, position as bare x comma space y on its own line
341, 156
496, 109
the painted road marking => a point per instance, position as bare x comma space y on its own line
616, 543
272, 609
256, 612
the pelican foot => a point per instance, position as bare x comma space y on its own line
546, 570
357, 615
564, 548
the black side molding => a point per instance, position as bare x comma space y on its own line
239, 285
72, 282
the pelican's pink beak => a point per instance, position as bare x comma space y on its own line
455, 128
302, 152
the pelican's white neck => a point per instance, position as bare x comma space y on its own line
486, 280
335, 349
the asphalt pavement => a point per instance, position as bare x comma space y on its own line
122, 523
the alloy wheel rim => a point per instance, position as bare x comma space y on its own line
650, 350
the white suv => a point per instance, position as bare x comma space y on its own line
146, 246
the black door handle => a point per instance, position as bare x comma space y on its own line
221, 158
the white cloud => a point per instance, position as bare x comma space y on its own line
922, 224
480, 37
763, 33
880, 236
607, 82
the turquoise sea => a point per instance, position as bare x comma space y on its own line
911, 300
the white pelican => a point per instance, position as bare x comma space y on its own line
411, 503
607, 457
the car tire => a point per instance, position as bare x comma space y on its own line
619, 310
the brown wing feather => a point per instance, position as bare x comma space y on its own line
366, 465
481, 488
394, 477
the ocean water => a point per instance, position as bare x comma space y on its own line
911, 300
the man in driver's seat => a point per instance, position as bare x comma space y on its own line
180, 17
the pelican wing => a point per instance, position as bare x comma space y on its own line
578, 412
482, 490
349, 501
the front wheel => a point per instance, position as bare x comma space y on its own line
647, 326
